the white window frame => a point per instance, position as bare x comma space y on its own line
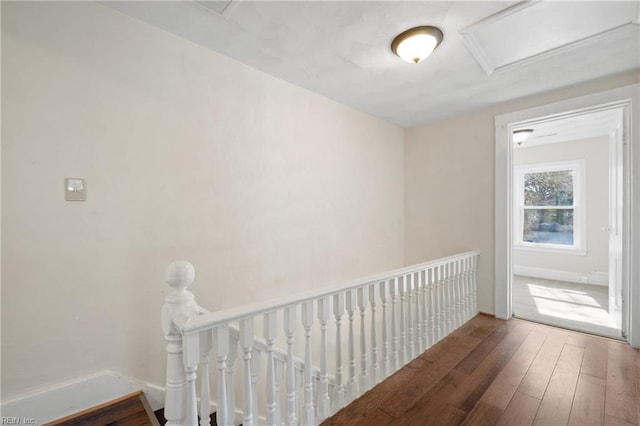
578, 169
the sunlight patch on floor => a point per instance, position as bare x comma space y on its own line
561, 294
576, 306
574, 311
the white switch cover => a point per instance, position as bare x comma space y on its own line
75, 189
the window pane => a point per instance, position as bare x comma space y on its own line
548, 226
548, 188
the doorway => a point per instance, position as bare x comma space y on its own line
566, 198
622, 275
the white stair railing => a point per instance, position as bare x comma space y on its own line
391, 318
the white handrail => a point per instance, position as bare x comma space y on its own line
212, 319
412, 308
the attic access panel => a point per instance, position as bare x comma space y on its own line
221, 7
530, 31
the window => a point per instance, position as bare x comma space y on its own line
550, 207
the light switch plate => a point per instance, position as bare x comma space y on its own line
75, 189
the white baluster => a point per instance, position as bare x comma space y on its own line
450, 312
269, 336
179, 304
467, 292
410, 337
385, 336
190, 356
246, 343
323, 400
373, 300
438, 294
450, 301
467, 283
338, 312
425, 310
461, 292
364, 375
431, 298
231, 377
175, 382
474, 289
459, 297
403, 321
394, 324
418, 314
289, 329
205, 392
221, 336
300, 384
351, 384
307, 322
470, 285
443, 301
452, 297
255, 371
278, 386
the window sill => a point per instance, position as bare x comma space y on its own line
575, 251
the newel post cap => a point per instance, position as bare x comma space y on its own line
179, 275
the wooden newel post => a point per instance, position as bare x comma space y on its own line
179, 305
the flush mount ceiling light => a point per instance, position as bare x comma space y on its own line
417, 43
519, 136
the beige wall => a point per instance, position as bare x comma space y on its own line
595, 153
267, 188
449, 182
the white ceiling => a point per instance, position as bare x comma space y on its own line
340, 49
572, 128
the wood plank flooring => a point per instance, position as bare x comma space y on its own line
129, 410
496, 372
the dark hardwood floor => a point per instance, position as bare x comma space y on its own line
128, 410
496, 372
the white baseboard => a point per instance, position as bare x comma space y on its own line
599, 278
594, 278
55, 402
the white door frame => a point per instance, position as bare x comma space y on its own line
616, 240
627, 97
